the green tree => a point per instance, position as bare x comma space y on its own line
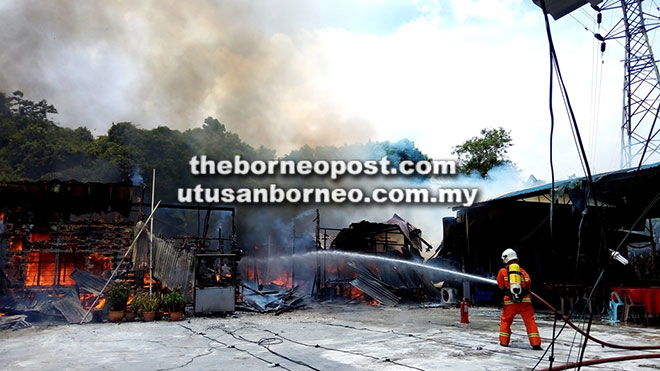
485, 152
27, 108
32, 147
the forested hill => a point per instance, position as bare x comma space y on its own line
33, 147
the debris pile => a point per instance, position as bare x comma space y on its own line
57, 304
272, 300
371, 285
14, 322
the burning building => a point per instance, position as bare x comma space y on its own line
49, 230
62, 242
385, 281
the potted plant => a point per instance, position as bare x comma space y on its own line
173, 302
149, 306
118, 297
136, 304
130, 315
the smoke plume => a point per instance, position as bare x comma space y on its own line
174, 63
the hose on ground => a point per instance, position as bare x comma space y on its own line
601, 342
602, 360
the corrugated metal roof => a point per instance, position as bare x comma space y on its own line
545, 188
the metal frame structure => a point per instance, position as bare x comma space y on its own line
201, 251
640, 137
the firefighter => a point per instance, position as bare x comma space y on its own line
516, 283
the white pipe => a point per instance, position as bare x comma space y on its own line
119, 264
151, 235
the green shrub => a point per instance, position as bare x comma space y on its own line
118, 297
150, 303
173, 301
136, 304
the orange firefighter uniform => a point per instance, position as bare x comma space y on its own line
511, 308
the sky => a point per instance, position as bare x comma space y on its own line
285, 73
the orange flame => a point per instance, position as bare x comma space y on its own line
40, 269
283, 280
15, 244
86, 299
99, 264
354, 293
34, 237
65, 270
145, 281
69, 262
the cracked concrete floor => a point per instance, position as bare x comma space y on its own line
323, 337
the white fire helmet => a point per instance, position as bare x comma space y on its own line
509, 255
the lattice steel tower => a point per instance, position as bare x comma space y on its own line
641, 82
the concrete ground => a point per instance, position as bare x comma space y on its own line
322, 337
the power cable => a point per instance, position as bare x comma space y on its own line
575, 138
342, 351
593, 87
581, 151
599, 91
454, 343
581, 24
271, 364
265, 343
552, 130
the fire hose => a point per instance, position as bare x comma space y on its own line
601, 342
602, 360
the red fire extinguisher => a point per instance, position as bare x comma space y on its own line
464, 311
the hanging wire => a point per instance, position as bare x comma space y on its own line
578, 21
601, 67
581, 150
592, 101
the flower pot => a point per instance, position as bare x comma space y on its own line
115, 315
149, 316
175, 316
129, 316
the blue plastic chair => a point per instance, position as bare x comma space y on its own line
614, 307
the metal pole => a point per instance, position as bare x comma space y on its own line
320, 276
293, 252
151, 235
221, 245
268, 276
653, 245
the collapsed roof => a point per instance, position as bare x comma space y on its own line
396, 234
